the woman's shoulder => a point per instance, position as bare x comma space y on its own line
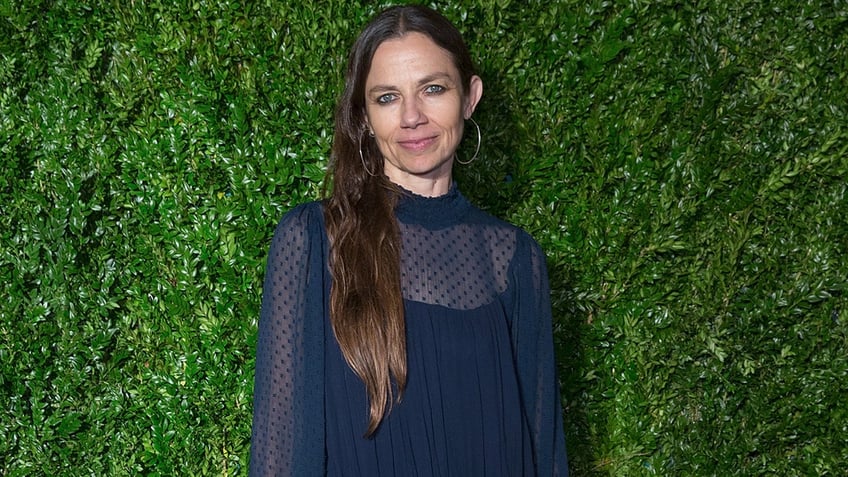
504, 239
501, 226
305, 212
305, 219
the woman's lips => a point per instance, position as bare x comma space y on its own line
418, 144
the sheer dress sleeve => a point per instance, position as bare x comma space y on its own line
532, 334
287, 436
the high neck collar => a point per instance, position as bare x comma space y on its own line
431, 212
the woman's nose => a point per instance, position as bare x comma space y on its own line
411, 114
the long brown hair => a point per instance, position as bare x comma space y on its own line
366, 305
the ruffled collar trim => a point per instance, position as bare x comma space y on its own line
432, 212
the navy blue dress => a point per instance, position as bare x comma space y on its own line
481, 397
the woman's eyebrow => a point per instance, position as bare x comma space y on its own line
379, 88
435, 76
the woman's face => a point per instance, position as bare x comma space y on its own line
416, 109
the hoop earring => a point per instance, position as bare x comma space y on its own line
362, 158
476, 151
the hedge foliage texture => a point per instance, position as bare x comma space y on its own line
682, 163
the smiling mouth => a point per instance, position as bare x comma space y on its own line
417, 144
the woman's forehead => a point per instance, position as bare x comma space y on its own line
411, 57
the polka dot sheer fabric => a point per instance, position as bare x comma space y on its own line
280, 360
463, 267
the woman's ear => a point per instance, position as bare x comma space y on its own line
475, 92
367, 124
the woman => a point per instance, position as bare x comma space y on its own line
403, 331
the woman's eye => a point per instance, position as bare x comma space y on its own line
385, 99
434, 89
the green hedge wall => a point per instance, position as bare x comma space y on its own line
683, 164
